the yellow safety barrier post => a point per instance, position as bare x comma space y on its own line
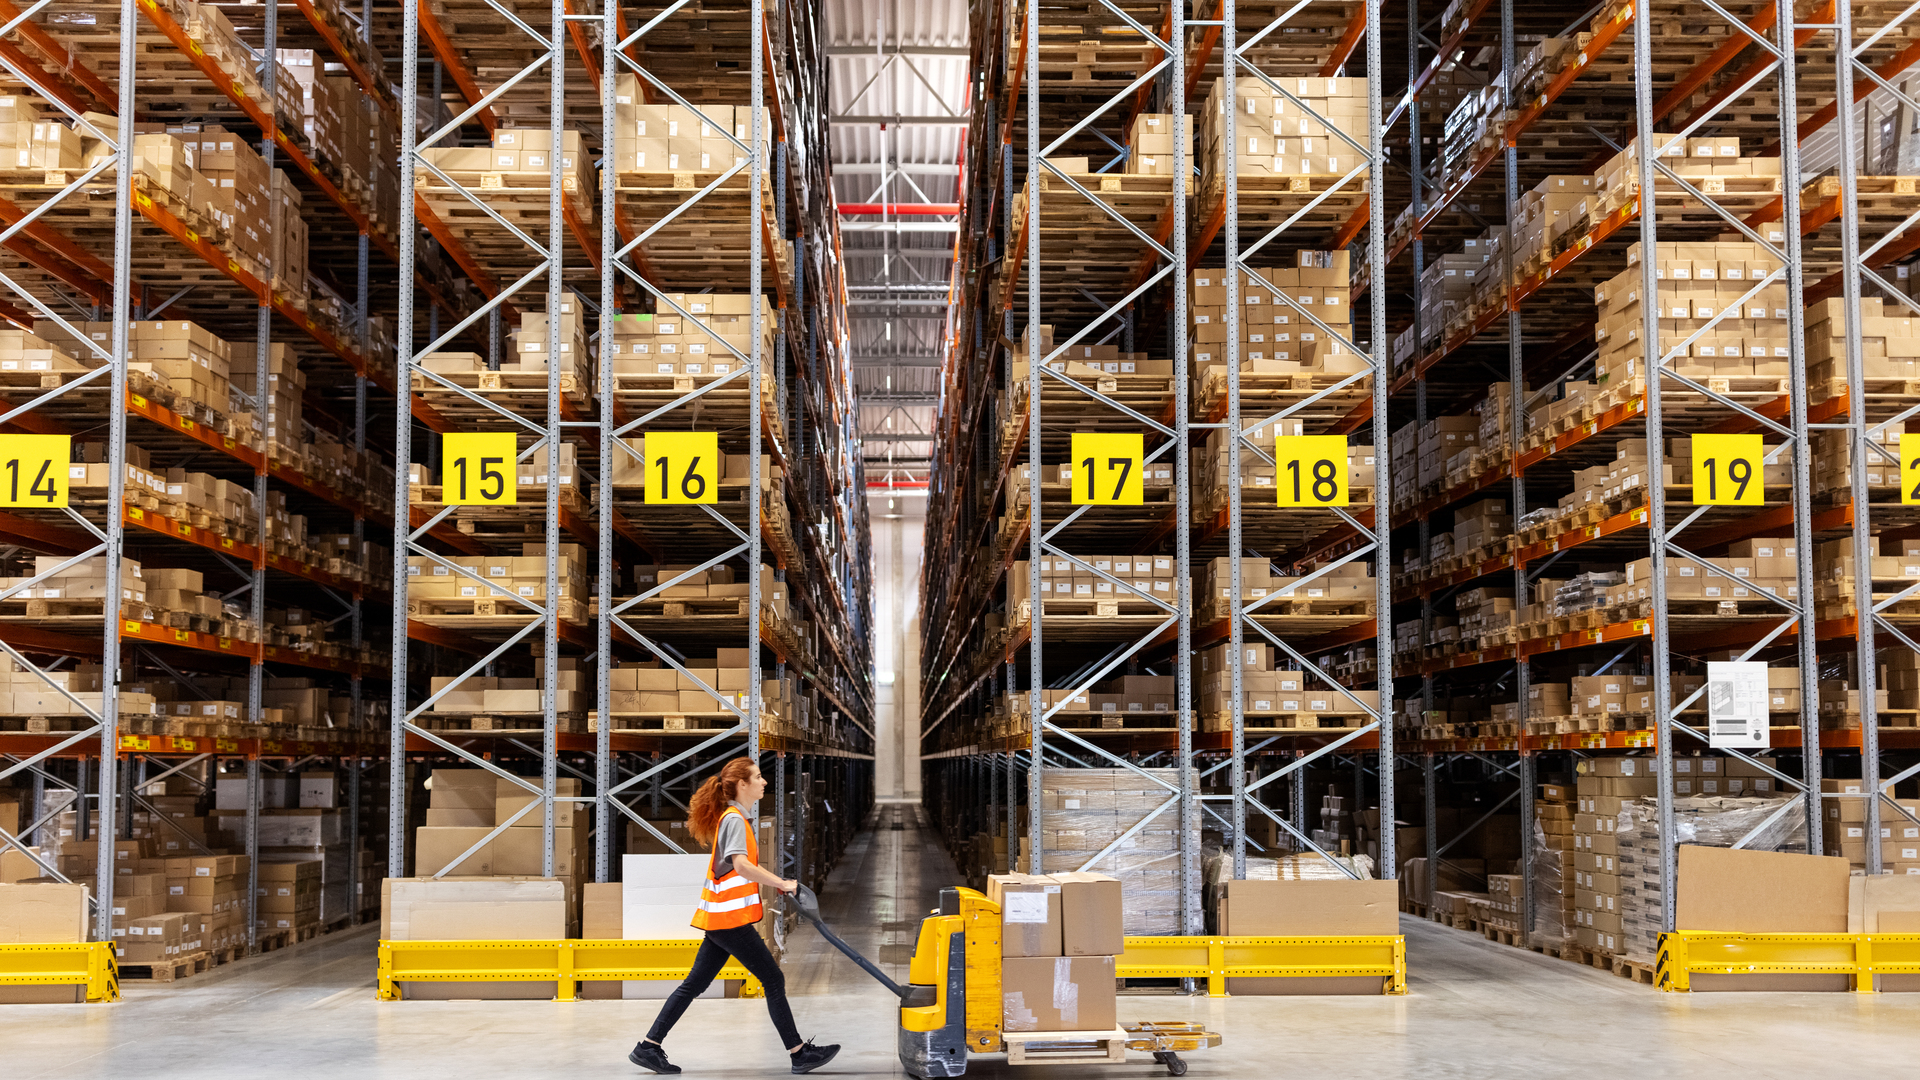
562, 962
1686, 953
87, 963
1217, 959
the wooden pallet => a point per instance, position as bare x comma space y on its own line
692, 723
1065, 1047
502, 723
169, 971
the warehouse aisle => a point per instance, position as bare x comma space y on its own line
1475, 1008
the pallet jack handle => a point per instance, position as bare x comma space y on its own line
803, 899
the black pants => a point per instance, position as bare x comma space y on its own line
743, 944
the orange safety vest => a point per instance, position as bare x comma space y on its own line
732, 900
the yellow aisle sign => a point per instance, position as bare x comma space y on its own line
1310, 470
683, 466
33, 469
1727, 470
480, 469
1108, 469
1909, 472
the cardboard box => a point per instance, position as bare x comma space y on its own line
1057, 993
1762, 892
1029, 914
474, 909
435, 846
1090, 915
1303, 909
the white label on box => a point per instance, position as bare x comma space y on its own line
1023, 907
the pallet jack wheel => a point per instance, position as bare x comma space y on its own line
1175, 1067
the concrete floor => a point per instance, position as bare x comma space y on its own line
1475, 1008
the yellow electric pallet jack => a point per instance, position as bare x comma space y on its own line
951, 1005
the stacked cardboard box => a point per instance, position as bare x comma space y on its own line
431, 580
1693, 159
464, 805
1350, 583
1554, 866
1058, 937
1071, 580
1084, 811
1214, 475
1093, 365
1697, 284
1845, 831
1150, 144
1263, 689
718, 339
488, 695
535, 346
651, 688
1275, 336
674, 138
1304, 133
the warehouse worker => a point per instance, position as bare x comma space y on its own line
722, 816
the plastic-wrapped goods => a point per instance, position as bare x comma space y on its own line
1706, 820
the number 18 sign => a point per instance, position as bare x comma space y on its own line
1310, 470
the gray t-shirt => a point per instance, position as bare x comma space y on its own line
731, 841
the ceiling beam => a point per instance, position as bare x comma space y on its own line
900, 226
902, 121
896, 50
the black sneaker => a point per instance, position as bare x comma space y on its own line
653, 1057
810, 1057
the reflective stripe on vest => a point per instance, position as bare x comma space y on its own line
732, 900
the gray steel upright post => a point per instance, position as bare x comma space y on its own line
402, 455
1192, 919
116, 483
257, 595
1382, 475
1866, 670
603, 771
1806, 641
1516, 424
1662, 643
756, 365
1036, 850
1236, 626
556, 292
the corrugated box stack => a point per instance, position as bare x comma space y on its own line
1554, 869
716, 342
1151, 143
1697, 283
1275, 337
1084, 811
1845, 831
1277, 135
466, 804
1059, 934
433, 582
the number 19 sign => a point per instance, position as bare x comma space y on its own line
1728, 470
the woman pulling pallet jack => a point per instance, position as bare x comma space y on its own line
729, 906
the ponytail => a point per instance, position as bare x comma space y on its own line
710, 801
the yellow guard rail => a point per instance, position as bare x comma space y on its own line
564, 962
1686, 953
88, 963
1217, 959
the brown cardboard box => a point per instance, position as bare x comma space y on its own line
1029, 913
509, 797
1308, 908
1762, 892
435, 846
1057, 993
600, 920
474, 909
1090, 915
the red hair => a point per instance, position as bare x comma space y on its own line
711, 800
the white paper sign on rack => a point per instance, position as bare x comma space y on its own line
1737, 705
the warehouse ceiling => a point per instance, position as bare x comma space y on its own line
899, 100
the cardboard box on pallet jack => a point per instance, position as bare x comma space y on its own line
965, 996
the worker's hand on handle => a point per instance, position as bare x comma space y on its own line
789, 886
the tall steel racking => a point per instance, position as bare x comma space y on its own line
58, 265
1121, 270
1664, 89
648, 239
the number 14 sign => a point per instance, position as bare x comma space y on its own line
33, 469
